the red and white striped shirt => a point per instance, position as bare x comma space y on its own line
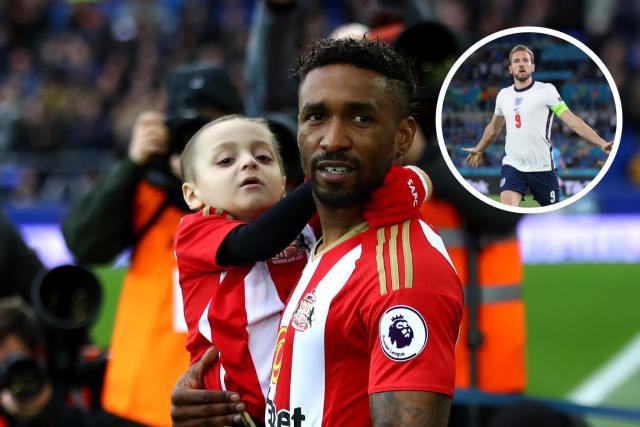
236, 308
379, 310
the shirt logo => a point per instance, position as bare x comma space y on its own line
283, 417
303, 317
518, 101
414, 193
296, 251
277, 357
403, 333
400, 332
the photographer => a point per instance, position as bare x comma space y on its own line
28, 395
139, 205
19, 265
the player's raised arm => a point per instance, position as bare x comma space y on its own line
409, 409
488, 137
578, 125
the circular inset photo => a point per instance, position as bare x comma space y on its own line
529, 119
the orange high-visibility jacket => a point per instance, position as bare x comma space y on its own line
501, 317
147, 355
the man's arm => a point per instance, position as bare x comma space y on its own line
488, 137
578, 125
99, 225
409, 409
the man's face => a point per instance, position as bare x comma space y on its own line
521, 66
12, 344
349, 132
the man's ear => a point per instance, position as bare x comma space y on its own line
404, 137
284, 184
533, 67
190, 197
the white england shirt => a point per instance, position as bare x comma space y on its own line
528, 114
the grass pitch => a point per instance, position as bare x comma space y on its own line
527, 203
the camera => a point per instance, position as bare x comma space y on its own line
67, 298
196, 94
22, 376
67, 301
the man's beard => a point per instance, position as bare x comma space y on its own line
522, 79
339, 197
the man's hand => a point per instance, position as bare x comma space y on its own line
400, 197
475, 156
606, 147
150, 136
193, 406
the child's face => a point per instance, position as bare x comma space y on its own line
236, 169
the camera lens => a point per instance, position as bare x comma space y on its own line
22, 377
67, 297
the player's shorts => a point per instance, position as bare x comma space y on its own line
544, 186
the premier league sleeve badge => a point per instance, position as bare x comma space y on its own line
403, 333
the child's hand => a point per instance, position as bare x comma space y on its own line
400, 197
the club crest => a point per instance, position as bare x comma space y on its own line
303, 316
296, 251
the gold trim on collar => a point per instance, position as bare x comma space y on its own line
360, 228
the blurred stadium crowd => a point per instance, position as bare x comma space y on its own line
74, 74
471, 96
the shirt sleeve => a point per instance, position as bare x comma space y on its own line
271, 232
198, 239
412, 338
554, 100
498, 110
100, 224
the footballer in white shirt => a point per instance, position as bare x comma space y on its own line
527, 108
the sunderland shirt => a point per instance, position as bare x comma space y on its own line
379, 310
528, 115
236, 308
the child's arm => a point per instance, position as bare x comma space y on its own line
271, 232
399, 198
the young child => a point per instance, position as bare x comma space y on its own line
233, 177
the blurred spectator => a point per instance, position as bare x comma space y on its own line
139, 205
75, 73
19, 265
634, 169
28, 395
